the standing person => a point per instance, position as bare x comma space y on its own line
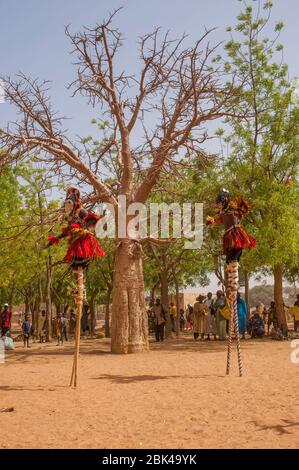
182, 319
58, 325
26, 328
173, 313
219, 303
242, 315
20, 320
65, 325
5, 320
200, 311
272, 317
42, 327
151, 320
265, 315
189, 317
72, 323
296, 315
160, 320
210, 320
84, 320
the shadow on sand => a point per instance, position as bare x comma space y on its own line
278, 428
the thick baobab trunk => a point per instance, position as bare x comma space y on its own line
278, 296
129, 328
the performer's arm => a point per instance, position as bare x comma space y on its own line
91, 219
214, 220
54, 240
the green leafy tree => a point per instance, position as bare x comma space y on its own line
263, 148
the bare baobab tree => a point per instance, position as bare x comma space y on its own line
177, 91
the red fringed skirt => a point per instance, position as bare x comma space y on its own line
236, 238
85, 247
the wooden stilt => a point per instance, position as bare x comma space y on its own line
229, 343
233, 285
79, 305
240, 362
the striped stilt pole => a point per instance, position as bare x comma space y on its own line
233, 285
229, 344
240, 362
79, 304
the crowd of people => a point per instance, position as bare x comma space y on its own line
62, 326
209, 317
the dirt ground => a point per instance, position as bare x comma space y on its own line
175, 396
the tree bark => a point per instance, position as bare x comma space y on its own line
129, 328
10, 295
153, 295
27, 306
177, 298
278, 296
35, 316
107, 314
49, 301
165, 301
92, 316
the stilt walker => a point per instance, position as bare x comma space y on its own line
230, 212
83, 247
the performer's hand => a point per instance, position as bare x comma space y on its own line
210, 220
52, 240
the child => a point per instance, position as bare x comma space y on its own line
59, 326
26, 328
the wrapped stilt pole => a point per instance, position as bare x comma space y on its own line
79, 306
230, 336
240, 362
233, 285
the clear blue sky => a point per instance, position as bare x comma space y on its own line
33, 39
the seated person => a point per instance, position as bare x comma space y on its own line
256, 326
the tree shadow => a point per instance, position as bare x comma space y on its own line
20, 355
38, 388
187, 344
92, 346
279, 428
125, 379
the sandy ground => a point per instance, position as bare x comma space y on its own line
175, 396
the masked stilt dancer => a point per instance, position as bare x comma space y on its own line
83, 248
230, 213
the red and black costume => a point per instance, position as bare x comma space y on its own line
230, 213
5, 320
83, 245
